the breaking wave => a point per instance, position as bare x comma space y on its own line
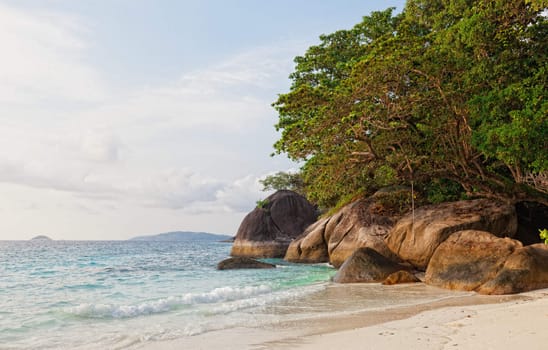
218, 295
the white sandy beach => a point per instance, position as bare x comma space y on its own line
462, 322
510, 325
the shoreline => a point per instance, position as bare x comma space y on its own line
350, 328
468, 322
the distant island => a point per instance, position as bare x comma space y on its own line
41, 238
183, 236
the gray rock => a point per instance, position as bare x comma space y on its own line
366, 265
267, 231
243, 263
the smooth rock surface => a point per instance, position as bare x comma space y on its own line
243, 263
526, 269
335, 238
267, 231
468, 259
416, 236
310, 247
366, 265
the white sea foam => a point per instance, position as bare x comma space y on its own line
275, 297
218, 295
118, 294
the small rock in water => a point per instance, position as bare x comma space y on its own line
243, 263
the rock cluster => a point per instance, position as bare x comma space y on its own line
333, 239
473, 245
416, 236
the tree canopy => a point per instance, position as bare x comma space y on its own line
283, 181
448, 94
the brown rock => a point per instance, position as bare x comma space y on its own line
310, 247
255, 249
357, 226
335, 238
267, 231
243, 263
526, 269
468, 259
414, 238
401, 277
366, 265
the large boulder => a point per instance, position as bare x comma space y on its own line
310, 247
416, 236
526, 269
357, 225
243, 263
468, 259
267, 231
366, 265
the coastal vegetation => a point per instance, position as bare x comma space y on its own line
283, 181
446, 97
544, 235
423, 142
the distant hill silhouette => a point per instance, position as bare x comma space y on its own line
41, 238
182, 236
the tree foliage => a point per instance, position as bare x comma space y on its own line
283, 181
448, 91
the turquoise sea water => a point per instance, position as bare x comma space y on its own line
134, 295
121, 294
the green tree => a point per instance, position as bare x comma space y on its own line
449, 90
310, 114
283, 181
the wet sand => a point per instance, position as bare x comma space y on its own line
474, 322
349, 320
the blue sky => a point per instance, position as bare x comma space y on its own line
129, 117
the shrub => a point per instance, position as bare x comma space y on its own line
262, 203
544, 235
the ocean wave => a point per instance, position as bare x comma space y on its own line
218, 295
272, 298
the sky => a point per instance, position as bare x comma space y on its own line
121, 118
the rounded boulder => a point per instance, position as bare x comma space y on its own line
267, 231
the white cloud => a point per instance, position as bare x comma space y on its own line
42, 175
254, 68
241, 195
233, 95
176, 189
100, 145
172, 149
42, 59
